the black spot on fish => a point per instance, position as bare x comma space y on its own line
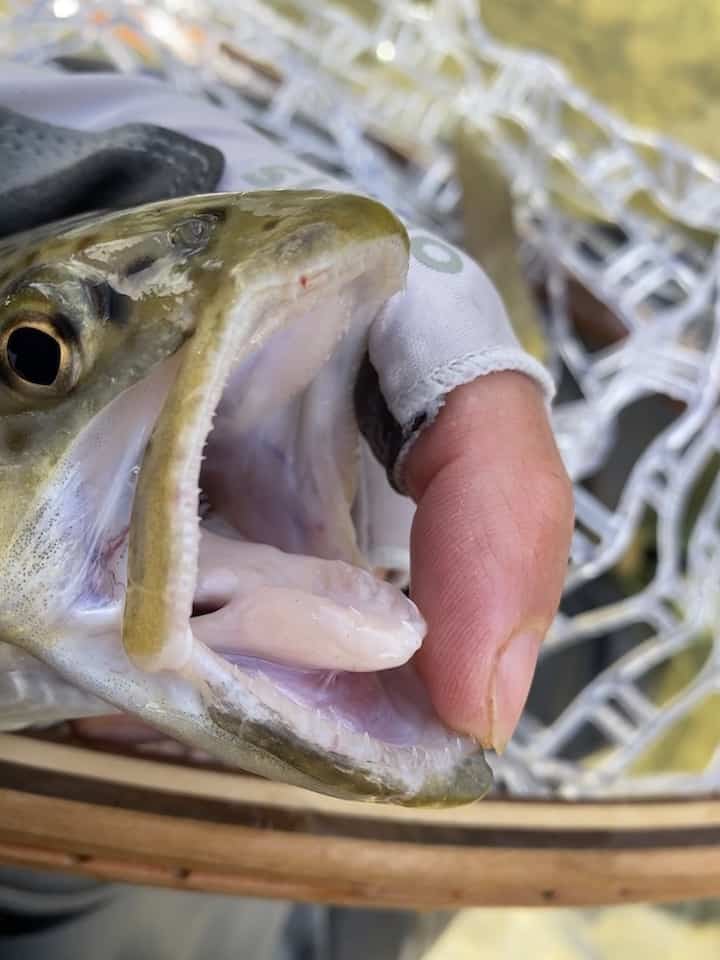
217, 213
137, 266
16, 440
65, 327
119, 311
109, 304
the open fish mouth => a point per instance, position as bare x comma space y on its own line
215, 588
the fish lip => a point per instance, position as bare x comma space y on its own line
334, 774
336, 764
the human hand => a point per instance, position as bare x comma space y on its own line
489, 549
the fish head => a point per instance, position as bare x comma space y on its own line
178, 467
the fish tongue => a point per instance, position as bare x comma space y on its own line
256, 600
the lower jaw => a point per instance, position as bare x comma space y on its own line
355, 736
372, 736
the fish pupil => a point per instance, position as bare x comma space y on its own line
34, 355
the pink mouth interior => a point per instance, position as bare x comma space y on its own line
277, 496
389, 705
283, 593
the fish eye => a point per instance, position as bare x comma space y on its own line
35, 357
192, 234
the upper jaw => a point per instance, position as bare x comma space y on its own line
324, 271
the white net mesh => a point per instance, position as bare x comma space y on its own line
631, 671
